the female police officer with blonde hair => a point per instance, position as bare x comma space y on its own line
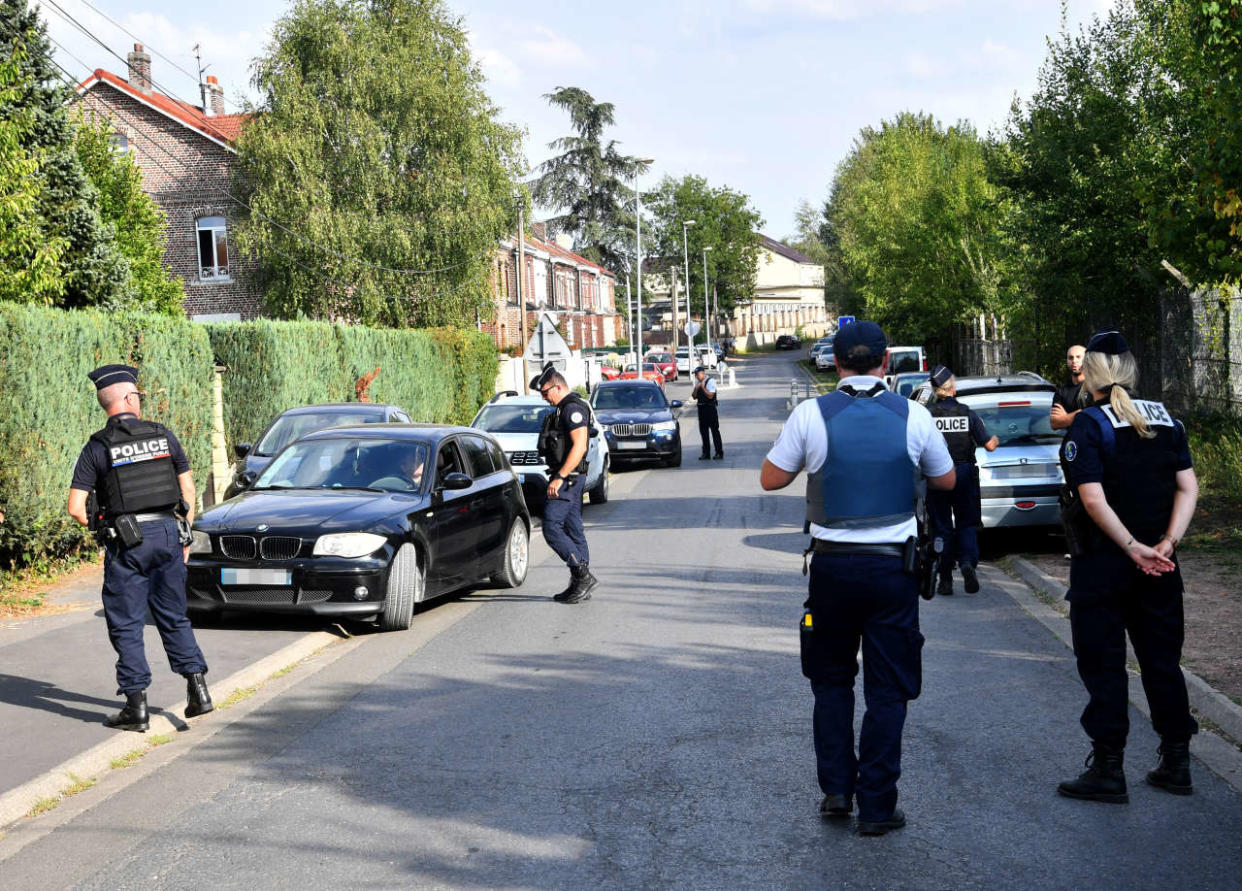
1130, 466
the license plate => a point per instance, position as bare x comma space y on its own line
256, 577
631, 445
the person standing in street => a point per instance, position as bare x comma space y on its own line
1129, 464
704, 394
860, 446
1069, 399
957, 515
563, 442
141, 478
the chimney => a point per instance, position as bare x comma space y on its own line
140, 69
213, 97
565, 240
539, 230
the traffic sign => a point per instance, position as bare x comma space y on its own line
844, 320
692, 328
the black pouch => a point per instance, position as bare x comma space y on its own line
910, 557
128, 530
812, 667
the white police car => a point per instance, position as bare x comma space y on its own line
515, 421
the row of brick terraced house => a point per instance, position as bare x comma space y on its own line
186, 154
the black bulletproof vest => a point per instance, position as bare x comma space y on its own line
140, 476
1140, 475
701, 397
953, 420
554, 441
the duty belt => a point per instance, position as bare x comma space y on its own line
849, 547
155, 517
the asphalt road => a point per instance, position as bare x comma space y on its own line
657, 736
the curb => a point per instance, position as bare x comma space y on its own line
17, 802
1217, 747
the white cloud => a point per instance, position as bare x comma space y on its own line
552, 50
497, 67
844, 10
922, 66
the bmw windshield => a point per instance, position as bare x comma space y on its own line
379, 465
646, 397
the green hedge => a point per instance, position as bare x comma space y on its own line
50, 408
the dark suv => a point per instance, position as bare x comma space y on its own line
788, 342
639, 422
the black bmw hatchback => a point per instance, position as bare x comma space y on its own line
364, 522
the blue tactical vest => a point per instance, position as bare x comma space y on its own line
867, 478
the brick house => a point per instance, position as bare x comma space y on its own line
186, 156
580, 294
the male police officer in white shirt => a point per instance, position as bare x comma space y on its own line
860, 511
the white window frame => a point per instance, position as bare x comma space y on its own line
217, 272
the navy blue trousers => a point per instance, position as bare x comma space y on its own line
1109, 596
562, 523
867, 599
151, 577
955, 517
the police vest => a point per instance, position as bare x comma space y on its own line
953, 420
867, 478
554, 441
703, 400
140, 476
1140, 475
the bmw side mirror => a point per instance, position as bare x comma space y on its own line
242, 449
246, 478
456, 482
676, 403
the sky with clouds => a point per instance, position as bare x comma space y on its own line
764, 96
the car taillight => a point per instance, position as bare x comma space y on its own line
1024, 505
924, 363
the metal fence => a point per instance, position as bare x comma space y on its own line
1200, 335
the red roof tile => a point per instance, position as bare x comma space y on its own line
221, 127
557, 251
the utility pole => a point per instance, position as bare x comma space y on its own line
521, 262
672, 295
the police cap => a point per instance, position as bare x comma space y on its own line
1108, 340
861, 340
107, 375
940, 375
539, 381
702, 368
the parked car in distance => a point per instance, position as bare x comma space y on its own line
825, 358
297, 422
707, 355
609, 373
640, 424
514, 421
665, 362
905, 383
1018, 482
682, 356
788, 342
650, 373
364, 522
903, 359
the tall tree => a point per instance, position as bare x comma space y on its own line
725, 221
377, 173
588, 182
94, 271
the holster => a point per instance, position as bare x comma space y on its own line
1082, 536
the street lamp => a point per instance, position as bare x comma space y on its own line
705, 301
685, 244
638, 252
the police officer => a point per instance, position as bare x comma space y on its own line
140, 476
1130, 465
1069, 399
704, 394
956, 515
563, 442
860, 512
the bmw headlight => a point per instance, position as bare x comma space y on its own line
664, 425
201, 543
348, 544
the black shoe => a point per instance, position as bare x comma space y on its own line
719, 456
945, 586
1173, 772
1103, 780
584, 583
835, 807
880, 827
134, 716
971, 579
564, 595
704, 457
197, 698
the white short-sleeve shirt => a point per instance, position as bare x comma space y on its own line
803, 445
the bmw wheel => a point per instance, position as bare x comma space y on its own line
516, 559
405, 589
599, 495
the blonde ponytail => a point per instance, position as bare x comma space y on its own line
1119, 373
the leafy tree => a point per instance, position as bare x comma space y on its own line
725, 221
588, 182
375, 149
138, 221
66, 204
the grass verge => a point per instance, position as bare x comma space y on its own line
43, 805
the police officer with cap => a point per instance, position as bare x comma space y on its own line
140, 476
705, 397
861, 447
1129, 463
563, 442
956, 515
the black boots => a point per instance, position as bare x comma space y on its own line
1103, 780
197, 699
945, 586
134, 716
971, 579
1173, 772
580, 587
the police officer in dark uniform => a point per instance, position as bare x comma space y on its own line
957, 515
140, 476
563, 442
860, 512
705, 396
1129, 465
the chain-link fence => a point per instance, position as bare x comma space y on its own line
1201, 351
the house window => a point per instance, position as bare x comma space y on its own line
213, 249
120, 143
